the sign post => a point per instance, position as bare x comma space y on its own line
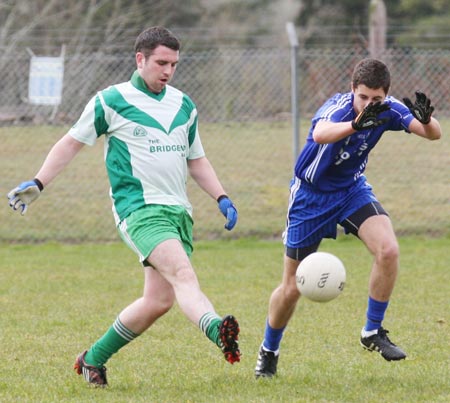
46, 80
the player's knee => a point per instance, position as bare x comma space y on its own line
388, 252
159, 304
166, 303
185, 275
291, 293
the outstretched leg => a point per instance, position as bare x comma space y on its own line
172, 262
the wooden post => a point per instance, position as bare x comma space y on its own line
377, 28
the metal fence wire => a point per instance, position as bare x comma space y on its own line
244, 102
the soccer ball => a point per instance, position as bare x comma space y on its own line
320, 277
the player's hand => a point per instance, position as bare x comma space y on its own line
24, 194
227, 208
421, 109
368, 117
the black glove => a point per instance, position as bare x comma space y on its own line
421, 109
368, 117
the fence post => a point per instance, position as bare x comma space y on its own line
295, 107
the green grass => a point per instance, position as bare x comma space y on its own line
57, 299
254, 161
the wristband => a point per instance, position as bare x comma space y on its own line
221, 197
38, 184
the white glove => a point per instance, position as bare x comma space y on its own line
24, 194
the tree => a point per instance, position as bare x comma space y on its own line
88, 25
111, 25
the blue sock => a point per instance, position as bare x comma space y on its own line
272, 337
375, 314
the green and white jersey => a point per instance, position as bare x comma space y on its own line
148, 140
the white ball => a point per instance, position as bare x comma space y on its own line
320, 277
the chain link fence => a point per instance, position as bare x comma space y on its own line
244, 102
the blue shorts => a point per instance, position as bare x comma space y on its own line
314, 215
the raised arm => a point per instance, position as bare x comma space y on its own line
424, 125
330, 132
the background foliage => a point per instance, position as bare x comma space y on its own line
109, 25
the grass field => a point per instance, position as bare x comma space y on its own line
254, 161
56, 299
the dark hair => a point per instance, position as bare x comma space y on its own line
373, 74
153, 37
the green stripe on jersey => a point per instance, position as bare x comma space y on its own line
126, 189
180, 119
114, 99
183, 116
101, 126
193, 131
148, 139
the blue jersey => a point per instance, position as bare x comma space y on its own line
335, 166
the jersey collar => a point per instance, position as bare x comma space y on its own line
138, 82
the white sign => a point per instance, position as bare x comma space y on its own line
46, 80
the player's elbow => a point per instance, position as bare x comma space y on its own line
434, 136
319, 137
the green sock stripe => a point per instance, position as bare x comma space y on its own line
209, 324
116, 337
206, 320
122, 331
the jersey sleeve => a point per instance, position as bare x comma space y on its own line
196, 149
195, 144
92, 122
338, 108
401, 116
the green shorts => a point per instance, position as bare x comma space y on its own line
147, 227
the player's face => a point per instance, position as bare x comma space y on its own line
364, 95
158, 69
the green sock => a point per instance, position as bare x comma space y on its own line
209, 325
112, 341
